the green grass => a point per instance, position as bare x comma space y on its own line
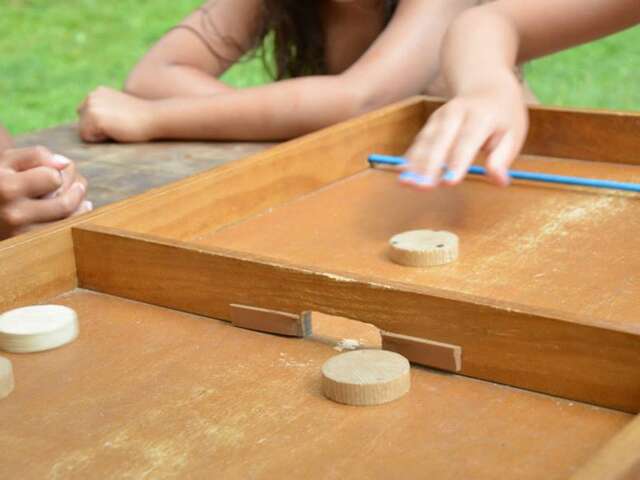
602, 74
53, 53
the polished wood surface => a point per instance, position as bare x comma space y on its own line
146, 392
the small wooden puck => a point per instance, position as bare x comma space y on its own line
424, 248
6, 377
37, 328
366, 377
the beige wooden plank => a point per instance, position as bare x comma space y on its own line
172, 395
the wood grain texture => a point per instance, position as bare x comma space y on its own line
526, 248
172, 395
596, 135
424, 352
41, 264
619, 459
538, 351
265, 320
276, 176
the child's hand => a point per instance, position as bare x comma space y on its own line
493, 120
108, 114
37, 187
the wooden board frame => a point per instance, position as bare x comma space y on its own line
555, 357
135, 236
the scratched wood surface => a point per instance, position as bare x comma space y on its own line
540, 352
530, 247
117, 171
147, 392
41, 264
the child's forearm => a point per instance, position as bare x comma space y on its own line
166, 81
485, 43
480, 50
277, 111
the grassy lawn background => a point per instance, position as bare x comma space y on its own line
53, 53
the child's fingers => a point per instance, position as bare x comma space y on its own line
50, 210
90, 130
501, 157
428, 154
471, 138
34, 183
21, 159
85, 207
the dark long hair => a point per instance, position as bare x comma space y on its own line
298, 36
290, 38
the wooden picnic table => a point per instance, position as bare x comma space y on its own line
119, 171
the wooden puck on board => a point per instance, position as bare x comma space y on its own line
6, 377
423, 248
366, 377
37, 328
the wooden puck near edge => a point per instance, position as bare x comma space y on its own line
37, 328
6, 377
423, 248
366, 377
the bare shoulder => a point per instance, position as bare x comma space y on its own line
212, 37
219, 21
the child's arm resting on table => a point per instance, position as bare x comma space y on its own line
480, 52
401, 62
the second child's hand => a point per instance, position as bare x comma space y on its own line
492, 120
108, 114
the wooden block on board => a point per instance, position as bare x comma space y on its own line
424, 352
37, 328
366, 377
269, 321
424, 248
340, 332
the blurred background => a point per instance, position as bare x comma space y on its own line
52, 53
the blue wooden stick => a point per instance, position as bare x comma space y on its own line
376, 159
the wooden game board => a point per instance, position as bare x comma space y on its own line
544, 297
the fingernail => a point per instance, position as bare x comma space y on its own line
88, 205
61, 160
80, 186
449, 176
415, 178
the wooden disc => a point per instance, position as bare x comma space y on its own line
37, 328
423, 248
6, 377
366, 377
